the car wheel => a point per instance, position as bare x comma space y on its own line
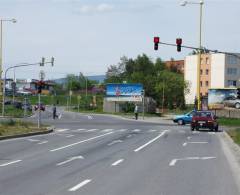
216, 128
180, 122
237, 105
197, 128
192, 128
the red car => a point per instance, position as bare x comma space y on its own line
205, 120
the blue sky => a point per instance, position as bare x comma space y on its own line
88, 36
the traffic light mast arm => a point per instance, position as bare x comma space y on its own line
202, 49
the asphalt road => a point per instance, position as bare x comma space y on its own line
103, 155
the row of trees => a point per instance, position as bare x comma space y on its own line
155, 77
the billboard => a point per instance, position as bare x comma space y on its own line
217, 97
124, 92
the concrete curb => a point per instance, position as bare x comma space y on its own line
49, 130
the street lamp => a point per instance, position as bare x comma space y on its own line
200, 3
1, 46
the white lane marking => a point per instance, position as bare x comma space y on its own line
136, 130
78, 186
117, 162
43, 142
76, 143
188, 137
184, 144
115, 142
107, 130
211, 133
62, 130
33, 140
129, 136
151, 141
91, 130
77, 130
9, 163
174, 161
69, 160
122, 130
90, 117
70, 135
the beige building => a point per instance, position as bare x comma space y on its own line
216, 71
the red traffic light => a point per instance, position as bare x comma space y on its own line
179, 41
156, 40
179, 44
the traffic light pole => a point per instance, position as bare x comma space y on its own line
39, 110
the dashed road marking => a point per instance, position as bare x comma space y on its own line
91, 130
70, 135
78, 186
136, 130
9, 163
70, 160
33, 140
152, 130
107, 130
122, 130
117, 162
43, 142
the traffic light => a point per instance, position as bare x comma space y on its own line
40, 86
156, 41
179, 44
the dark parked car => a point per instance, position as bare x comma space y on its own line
205, 120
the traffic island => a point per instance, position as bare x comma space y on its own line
17, 128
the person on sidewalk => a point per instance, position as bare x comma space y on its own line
54, 111
136, 111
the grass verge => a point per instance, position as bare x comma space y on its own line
235, 135
17, 127
231, 122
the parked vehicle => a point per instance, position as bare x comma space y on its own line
232, 101
184, 119
42, 107
18, 105
205, 120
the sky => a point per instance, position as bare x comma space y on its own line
90, 35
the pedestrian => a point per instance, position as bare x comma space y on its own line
136, 111
54, 111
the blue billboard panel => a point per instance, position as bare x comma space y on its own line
124, 90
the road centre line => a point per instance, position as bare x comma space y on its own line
185, 143
174, 161
76, 143
78, 186
117, 162
115, 142
9, 163
151, 141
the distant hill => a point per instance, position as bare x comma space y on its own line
99, 78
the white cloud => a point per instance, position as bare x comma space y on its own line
104, 7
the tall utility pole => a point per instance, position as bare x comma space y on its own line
200, 3
2, 87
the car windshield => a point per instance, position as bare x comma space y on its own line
203, 114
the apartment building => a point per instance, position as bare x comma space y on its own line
178, 65
216, 71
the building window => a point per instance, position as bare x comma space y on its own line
206, 94
201, 71
200, 83
207, 60
207, 71
232, 83
206, 83
232, 60
232, 71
